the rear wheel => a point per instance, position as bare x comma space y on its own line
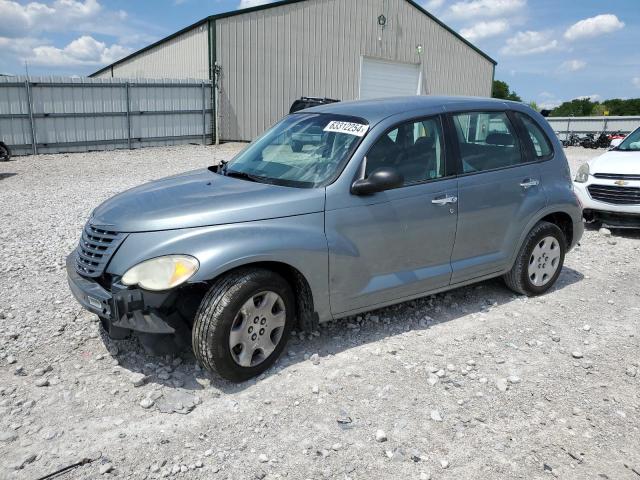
243, 323
539, 262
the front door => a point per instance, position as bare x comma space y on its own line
499, 192
395, 244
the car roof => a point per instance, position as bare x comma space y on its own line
376, 110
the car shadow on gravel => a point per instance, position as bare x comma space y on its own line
180, 371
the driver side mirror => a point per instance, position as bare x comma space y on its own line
381, 179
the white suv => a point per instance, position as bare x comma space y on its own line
609, 185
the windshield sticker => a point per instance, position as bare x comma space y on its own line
349, 128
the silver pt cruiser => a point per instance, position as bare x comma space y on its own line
335, 210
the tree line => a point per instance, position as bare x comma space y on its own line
579, 107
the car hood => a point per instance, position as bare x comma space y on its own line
202, 198
616, 162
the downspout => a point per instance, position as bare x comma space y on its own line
493, 79
214, 76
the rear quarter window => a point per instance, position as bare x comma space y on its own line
541, 144
486, 140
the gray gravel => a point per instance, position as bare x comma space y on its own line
474, 383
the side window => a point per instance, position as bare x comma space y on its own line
415, 149
541, 145
487, 141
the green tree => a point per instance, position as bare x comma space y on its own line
617, 106
534, 105
585, 107
580, 107
501, 90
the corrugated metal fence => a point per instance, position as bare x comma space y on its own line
51, 115
565, 125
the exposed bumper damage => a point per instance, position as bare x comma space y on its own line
122, 310
612, 219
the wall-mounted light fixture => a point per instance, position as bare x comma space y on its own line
419, 49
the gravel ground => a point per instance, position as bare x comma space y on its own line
474, 383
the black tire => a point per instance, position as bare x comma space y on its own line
5, 153
518, 279
217, 312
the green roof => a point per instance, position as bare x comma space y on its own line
233, 13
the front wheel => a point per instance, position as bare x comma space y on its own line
539, 261
243, 323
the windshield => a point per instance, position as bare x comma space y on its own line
303, 150
632, 142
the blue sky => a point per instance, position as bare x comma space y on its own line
547, 50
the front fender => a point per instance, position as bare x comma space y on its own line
297, 241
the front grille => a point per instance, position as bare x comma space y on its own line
95, 249
615, 195
617, 176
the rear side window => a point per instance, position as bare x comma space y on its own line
541, 144
487, 141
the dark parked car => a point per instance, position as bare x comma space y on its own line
399, 199
5, 153
308, 102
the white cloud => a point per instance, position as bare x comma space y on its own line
636, 81
485, 8
21, 19
433, 4
549, 104
573, 65
252, 3
84, 50
594, 26
593, 97
528, 43
484, 30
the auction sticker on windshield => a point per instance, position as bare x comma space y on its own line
350, 128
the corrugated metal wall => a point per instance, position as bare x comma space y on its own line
271, 57
51, 115
564, 125
184, 56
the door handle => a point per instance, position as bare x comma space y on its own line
444, 200
529, 182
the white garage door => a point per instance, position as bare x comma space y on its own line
381, 78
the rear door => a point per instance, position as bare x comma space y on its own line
499, 192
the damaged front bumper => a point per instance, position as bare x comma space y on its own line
122, 309
612, 219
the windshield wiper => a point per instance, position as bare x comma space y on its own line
241, 175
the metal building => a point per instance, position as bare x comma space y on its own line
263, 58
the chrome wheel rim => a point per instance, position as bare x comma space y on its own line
257, 329
544, 261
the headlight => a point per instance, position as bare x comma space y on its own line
162, 273
583, 173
